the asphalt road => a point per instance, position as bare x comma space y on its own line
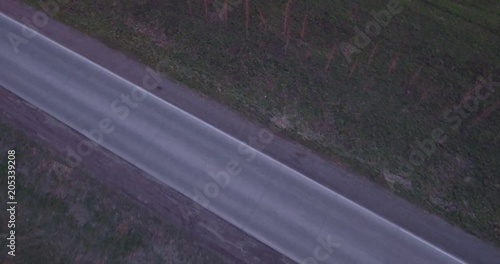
275, 204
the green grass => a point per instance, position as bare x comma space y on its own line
366, 121
72, 218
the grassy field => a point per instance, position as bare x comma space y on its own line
71, 218
282, 62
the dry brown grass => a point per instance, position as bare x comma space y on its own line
486, 113
225, 11
205, 7
303, 30
286, 17
287, 30
353, 67
394, 62
426, 92
262, 23
479, 84
368, 87
330, 57
372, 54
287, 39
247, 16
122, 228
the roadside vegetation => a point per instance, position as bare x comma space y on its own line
72, 218
281, 63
